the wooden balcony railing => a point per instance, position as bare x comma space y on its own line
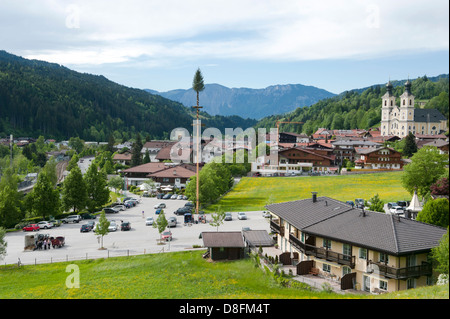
276, 228
425, 269
322, 253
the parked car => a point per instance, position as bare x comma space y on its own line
166, 235
172, 222
110, 210
402, 203
183, 210
359, 202
393, 208
241, 216
55, 222
174, 196
120, 207
189, 204
159, 196
390, 204
149, 221
88, 216
91, 223
45, 225
125, 226
72, 219
160, 205
85, 228
398, 211
185, 197
228, 216
112, 226
130, 202
266, 214
180, 197
167, 196
158, 211
350, 202
31, 227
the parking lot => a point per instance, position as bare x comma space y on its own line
139, 240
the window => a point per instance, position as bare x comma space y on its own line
384, 258
346, 270
326, 268
383, 285
327, 243
363, 253
347, 251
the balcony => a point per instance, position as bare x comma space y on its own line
276, 228
322, 253
401, 273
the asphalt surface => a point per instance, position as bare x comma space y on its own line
139, 240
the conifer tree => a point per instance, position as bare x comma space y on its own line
74, 193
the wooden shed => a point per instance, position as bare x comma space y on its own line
224, 245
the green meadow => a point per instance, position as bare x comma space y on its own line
177, 275
253, 193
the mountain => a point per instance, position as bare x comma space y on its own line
41, 98
249, 103
361, 108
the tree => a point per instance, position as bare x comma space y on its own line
410, 146
136, 157
160, 223
77, 144
441, 187
197, 83
435, 212
376, 204
3, 243
96, 187
73, 162
74, 193
10, 212
116, 182
44, 198
217, 218
426, 166
101, 228
440, 254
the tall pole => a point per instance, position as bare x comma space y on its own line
197, 159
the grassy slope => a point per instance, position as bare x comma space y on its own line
181, 275
252, 193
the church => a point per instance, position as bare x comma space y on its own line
400, 120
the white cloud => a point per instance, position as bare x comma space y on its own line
105, 31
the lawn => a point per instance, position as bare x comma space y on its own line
176, 275
180, 275
252, 193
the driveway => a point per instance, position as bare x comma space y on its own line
139, 240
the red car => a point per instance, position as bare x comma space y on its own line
31, 227
167, 236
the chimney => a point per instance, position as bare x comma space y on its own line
314, 196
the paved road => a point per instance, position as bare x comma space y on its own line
141, 237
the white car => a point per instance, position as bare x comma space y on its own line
180, 197
266, 214
160, 205
112, 226
45, 225
174, 196
149, 221
241, 216
120, 207
393, 209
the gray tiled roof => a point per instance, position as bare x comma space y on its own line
421, 115
223, 239
258, 238
378, 231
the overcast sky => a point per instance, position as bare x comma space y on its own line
335, 45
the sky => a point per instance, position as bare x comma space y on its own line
335, 45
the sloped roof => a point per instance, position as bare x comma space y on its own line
425, 115
338, 221
223, 239
258, 238
175, 171
146, 168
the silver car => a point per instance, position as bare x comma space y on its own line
172, 222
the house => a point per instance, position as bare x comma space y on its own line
441, 145
224, 245
287, 137
378, 158
363, 250
345, 149
176, 175
319, 158
138, 174
124, 159
153, 147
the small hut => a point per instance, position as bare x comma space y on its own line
224, 245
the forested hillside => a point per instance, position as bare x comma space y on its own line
361, 108
40, 98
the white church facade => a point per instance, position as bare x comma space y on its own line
400, 120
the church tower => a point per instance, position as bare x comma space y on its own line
406, 119
388, 103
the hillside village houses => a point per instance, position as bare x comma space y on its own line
362, 250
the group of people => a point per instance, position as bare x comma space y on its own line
43, 242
